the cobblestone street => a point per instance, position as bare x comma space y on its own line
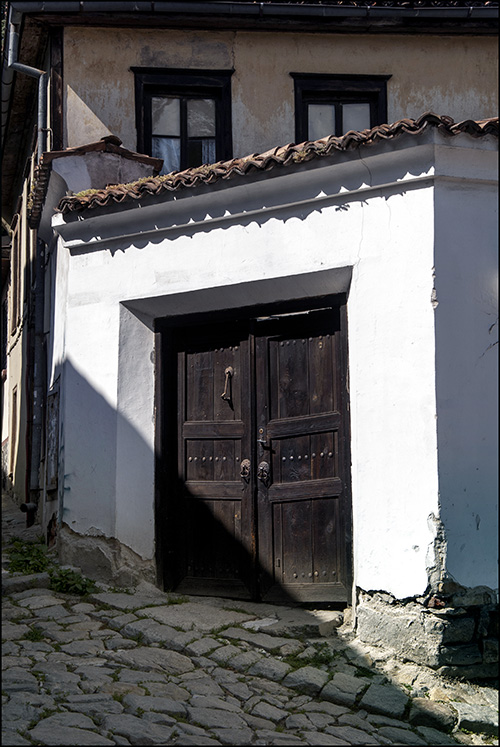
140, 667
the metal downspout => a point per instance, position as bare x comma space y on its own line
33, 72
38, 390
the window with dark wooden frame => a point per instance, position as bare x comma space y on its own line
334, 104
183, 116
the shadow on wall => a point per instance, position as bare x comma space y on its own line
167, 535
299, 195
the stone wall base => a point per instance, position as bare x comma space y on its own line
458, 637
104, 559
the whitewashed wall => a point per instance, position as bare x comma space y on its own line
304, 229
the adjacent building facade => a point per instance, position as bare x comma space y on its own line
267, 376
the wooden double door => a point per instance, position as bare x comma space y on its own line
258, 506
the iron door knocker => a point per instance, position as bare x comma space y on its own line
245, 470
264, 473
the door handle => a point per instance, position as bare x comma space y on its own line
263, 443
226, 394
264, 473
245, 470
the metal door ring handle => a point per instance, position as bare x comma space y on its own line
264, 473
245, 470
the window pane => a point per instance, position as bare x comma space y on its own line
165, 116
168, 148
355, 117
201, 151
201, 117
321, 120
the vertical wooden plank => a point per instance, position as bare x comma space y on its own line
199, 384
297, 542
325, 525
293, 379
322, 382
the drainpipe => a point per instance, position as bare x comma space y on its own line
12, 63
37, 408
38, 323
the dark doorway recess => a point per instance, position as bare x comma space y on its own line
253, 490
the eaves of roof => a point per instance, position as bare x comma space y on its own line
287, 156
107, 144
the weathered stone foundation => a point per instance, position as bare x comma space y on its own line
458, 636
104, 558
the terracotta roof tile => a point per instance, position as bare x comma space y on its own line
287, 155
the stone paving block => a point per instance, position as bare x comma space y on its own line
123, 601
242, 661
56, 612
159, 718
202, 646
168, 690
67, 736
234, 736
150, 658
11, 738
268, 737
319, 738
425, 712
83, 607
16, 585
298, 721
133, 676
326, 707
350, 735
210, 701
121, 688
320, 720
13, 631
270, 712
136, 730
223, 655
198, 740
119, 621
335, 695
83, 648
203, 686
308, 679
239, 689
212, 717
378, 720
269, 667
18, 679
119, 644
94, 704
20, 707
351, 719
435, 737
13, 661
39, 601
384, 699
401, 736
28, 647
195, 616
255, 722
259, 640
160, 704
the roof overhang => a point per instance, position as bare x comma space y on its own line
327, 15
387, 167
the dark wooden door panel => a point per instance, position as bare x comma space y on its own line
301, 527
213, 439
261, 509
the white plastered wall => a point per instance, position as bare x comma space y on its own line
467, 373
387, 237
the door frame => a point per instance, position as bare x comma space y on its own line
165, 409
